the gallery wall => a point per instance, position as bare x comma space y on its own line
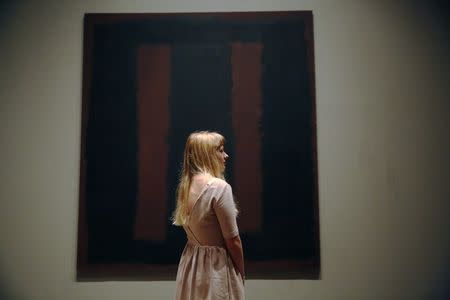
383, 117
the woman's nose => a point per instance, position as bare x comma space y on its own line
226, 155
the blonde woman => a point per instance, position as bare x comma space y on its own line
212, 263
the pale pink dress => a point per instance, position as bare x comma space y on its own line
205, 270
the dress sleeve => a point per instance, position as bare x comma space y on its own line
226, 213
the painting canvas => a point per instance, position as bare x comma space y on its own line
151, 79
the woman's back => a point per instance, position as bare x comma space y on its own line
212, 212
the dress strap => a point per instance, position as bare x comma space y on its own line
198, 198
192, 235
189, 230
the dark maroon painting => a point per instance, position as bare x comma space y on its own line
151, 79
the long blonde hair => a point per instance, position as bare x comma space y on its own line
200, 156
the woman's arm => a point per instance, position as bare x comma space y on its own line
234, 246
226, 212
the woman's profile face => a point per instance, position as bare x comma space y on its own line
222, 156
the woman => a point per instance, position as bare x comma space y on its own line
212, 263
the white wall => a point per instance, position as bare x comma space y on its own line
383, 115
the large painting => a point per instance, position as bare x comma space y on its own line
151, 79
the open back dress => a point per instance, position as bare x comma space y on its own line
206, 270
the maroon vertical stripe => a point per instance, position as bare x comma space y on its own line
153, 67
246, 114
